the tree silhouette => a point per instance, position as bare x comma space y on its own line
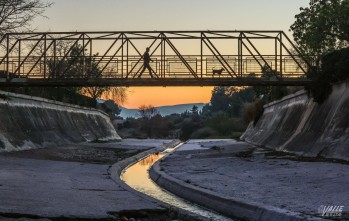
194, 110
16, 15
322, 27
147, 112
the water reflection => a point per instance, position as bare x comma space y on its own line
150, 160
137, 177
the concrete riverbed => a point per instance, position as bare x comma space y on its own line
241, 180
254, 183
69, 182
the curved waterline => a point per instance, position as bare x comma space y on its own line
137, 177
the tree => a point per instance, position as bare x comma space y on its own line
149, 119
206, 111
229, 100
238, 98
78, 65
194, 110
147, 112
219, 100
343, 21
118, 94
252, 112
93, 92
16, 15
322, 27
322, 30
270, 93
111, 108
74, 66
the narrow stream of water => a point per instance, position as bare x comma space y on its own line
137, 177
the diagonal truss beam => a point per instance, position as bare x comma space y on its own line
75, 58
30, 52
299, 53
218, 55
139, 60
111, 58
142, 57
38, 60
180, 56
2, 39
8, 52
108, 50
257, 34
259, 54
156, 48
65, 56
254, 56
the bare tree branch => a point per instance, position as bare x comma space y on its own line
16, 15
118, 94
146, 112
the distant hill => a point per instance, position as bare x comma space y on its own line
164, 110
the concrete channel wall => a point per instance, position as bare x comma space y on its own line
30, 122
297, 124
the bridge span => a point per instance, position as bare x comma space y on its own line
179, 58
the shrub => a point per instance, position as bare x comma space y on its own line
205, 132
225, 125
253, 111
334, 68
188, 128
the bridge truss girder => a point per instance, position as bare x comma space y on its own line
181, 58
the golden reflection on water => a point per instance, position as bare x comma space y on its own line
151, 159
136, 175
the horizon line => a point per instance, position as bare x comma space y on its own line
168, 105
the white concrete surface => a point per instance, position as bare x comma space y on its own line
47, 188
205, 144
266, 181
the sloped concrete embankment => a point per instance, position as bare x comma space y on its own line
31, 122
297, 124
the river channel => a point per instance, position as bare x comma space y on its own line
137, 177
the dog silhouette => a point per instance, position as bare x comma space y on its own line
217, 71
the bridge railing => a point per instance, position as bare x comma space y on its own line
173, 67
175, 54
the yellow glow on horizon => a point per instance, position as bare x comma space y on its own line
163, 96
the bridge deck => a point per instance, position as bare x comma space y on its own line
78, 82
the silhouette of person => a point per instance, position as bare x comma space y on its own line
146, 65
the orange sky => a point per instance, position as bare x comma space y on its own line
163, 96
144, 15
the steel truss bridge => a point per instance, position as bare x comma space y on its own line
180, 58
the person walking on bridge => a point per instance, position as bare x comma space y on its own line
146, 65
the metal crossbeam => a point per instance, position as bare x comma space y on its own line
197, 58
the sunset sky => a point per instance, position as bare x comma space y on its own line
141, 15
